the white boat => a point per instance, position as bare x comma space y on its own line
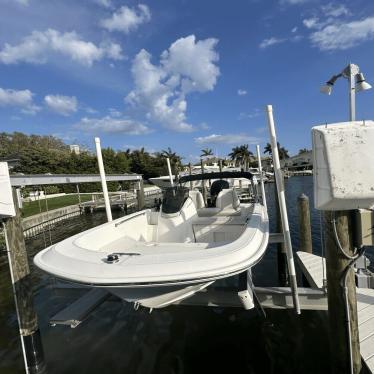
157, 258
164, 180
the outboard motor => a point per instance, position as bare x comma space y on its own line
216, 188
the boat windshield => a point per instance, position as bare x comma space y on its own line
173, 199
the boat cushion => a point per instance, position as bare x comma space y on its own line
228, 199
197, 198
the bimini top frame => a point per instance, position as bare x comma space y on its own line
217, 175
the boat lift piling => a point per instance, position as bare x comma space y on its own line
31, 342
170, 173
283, 208
263, 195
103, 180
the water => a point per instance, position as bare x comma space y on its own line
118, 339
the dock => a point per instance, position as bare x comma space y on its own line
314, 268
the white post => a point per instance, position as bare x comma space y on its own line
103, 180
170, 173
261, 178
283, 208
352, 91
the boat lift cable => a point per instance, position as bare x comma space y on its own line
349, 257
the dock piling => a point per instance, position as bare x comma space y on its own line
304, 224
344, 338
31, 343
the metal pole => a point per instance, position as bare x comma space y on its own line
203, 182
169, 170
79, 195
352, 92
103, 180
190, 172
283, 208
261, 177
352, 70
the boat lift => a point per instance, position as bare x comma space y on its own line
247, 297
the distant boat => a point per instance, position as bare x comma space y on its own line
157, 258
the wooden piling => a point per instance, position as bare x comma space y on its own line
336, 265
23, 293
304, 224
140, 195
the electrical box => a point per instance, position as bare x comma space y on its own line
343, 162
364, 220
6, 197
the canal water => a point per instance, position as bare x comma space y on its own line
178, 339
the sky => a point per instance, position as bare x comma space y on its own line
185, 74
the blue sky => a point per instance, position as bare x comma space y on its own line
185, 74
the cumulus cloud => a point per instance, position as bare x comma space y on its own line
38, 46
109, 124
242, 92
310, 23
335, 10
104, 3
341, 36
160, 90
64, 105
21, 98
293, 2
270, 41
127, 19
227, 139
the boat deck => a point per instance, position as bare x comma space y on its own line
314, 269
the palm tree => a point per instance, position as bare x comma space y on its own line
241, 154
206, 152
283, 152
169, 153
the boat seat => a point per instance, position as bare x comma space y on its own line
228, 199
197, 198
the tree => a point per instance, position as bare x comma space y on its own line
303, 150
206, 152
241, 154
283, 152
169, 153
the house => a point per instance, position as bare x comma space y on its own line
302, 161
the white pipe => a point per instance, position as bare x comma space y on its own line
169, 170
261, 178
283, 208
103, 180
